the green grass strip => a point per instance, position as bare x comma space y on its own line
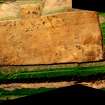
53, 73
102, 13
17, 93
23, 92
103, 31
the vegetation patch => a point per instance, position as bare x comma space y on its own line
47, 74
103, 31
5, 94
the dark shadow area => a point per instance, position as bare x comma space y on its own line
95, 5
67, 94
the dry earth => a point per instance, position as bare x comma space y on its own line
41, 41
14, 86
94, 84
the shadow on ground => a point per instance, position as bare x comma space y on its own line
95, 5
66, 94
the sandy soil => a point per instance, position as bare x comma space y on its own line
95, 84
14, 86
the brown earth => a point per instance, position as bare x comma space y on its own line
95, 84
14, 86
10, 87
59, 38
41, 41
